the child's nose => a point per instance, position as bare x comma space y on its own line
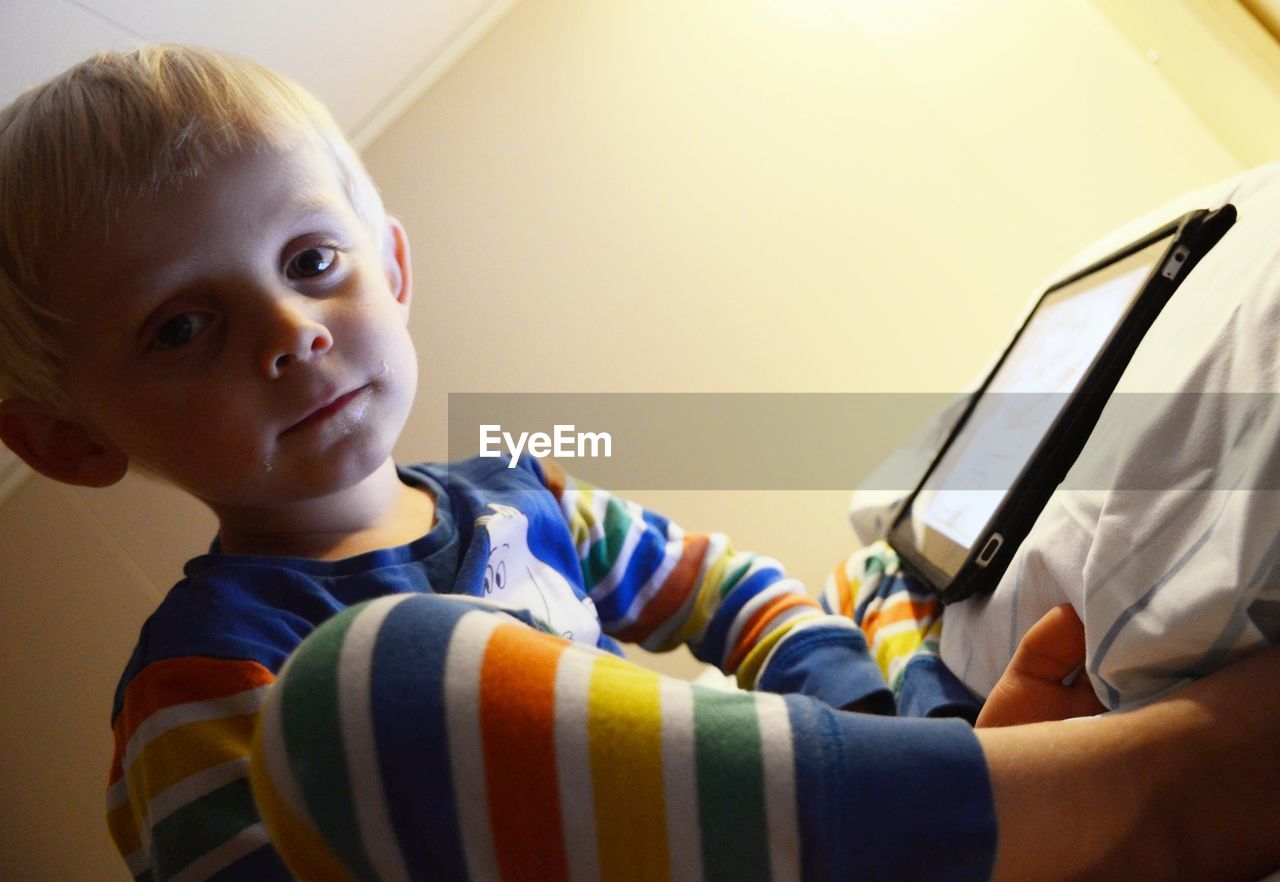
295, 338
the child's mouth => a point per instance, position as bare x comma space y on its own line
324, 412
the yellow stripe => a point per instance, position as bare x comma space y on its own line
749, 669
625, 733
586, 496
583, 519
185, 750
896, 647
303, 850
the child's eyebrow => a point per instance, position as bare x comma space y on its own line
310, 202
307, 204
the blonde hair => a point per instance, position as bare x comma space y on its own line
116, 128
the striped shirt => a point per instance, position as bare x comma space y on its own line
582, 563
420, 737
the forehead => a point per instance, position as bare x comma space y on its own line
246, 190
233, 206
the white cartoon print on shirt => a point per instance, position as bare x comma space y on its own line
516, 578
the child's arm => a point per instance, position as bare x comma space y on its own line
178, 802
902, 620
418, 737
657, 586
424, 737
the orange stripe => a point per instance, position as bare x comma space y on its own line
554, 477
181, 681
759, 621
517, 720
673, 593
844, 591
911, 610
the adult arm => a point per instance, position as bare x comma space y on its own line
1185, 788
1045, 679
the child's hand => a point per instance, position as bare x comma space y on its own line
1031, 688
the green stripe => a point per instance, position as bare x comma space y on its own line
874, 565
603, 555
201, 826
731, 579
313, 740
735, 833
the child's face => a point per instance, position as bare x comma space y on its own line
244, 337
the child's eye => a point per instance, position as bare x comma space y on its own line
179, 330
311, 262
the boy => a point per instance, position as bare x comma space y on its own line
228, 311
212, 293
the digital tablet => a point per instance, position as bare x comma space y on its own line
1028, 422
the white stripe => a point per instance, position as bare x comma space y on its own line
818, 621
244, 843
569, 508
570, 505
830, 594
194, 786
888, 632
117, 793
599, 504
198, 783
777, 589
462, 666
356, 723
776, 749
237, 704
276, 757
680, 779
573, 764
672, 551
787, 619
635, 529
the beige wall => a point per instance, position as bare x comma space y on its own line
671, 196
766, 196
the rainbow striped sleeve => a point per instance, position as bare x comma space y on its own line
421, 737
902, 620
657, 586
178, 799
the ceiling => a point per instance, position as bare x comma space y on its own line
367, 66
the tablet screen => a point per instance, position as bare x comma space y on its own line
1023, 399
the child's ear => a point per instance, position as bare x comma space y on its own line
398, 266
58, 448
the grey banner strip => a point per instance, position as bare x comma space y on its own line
878, 441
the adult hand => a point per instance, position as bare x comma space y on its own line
1031, 690
1187, 787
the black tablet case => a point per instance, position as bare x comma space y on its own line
1192, 236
